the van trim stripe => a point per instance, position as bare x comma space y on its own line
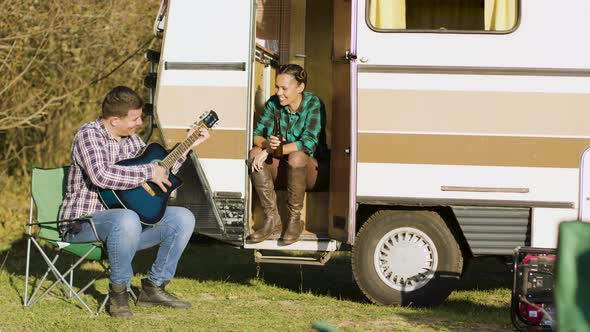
470, 150
417, 201
229, 66
449, 133
473, 70
223, 144
500, 113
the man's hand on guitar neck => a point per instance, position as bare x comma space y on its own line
203, 136
160, 177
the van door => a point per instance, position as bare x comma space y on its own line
343, 155
205, 64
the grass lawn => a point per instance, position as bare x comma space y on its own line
230, 292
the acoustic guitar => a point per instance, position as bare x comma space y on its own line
148, 200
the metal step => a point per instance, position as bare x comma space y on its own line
299, 260
307, 242
318, 246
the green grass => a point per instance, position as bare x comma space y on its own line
230, 292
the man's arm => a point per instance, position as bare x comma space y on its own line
91, 153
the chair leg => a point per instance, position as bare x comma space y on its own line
105, 272
69, 271
40, 284
60, 278
25, 297
83, 289
104, 303
30, 234
71, 277
66, 292
133, 295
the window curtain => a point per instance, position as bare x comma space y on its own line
500, 15
388, 14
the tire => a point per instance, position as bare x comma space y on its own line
406, 258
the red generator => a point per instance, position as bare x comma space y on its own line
532, 304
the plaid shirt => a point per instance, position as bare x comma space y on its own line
94, 154
306, 127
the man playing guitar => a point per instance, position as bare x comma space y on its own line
97, 146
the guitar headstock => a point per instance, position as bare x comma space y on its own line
208, 119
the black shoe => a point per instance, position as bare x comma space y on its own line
119, 301
152, 295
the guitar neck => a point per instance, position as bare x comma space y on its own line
179, 150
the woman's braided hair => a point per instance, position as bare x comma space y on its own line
298, 73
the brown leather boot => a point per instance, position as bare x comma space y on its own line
118, 305
262, 181
296, 190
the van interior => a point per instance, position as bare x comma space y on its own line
302, 32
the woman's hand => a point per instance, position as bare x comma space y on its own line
273, 142
259, 159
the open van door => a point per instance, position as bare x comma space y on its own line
205, 65
343, 177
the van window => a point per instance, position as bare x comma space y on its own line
443, 15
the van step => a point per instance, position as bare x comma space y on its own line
305, 236
310, 245
299, 260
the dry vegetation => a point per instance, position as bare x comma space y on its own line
56, 60
52, 56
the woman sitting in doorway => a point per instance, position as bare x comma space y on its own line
304, 163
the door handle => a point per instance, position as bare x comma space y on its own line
349, 55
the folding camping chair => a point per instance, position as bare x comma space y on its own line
47, 193
572, 292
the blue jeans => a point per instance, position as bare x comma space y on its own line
124, 234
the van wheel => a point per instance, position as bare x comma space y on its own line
406, 258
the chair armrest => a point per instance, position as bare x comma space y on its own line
83, 218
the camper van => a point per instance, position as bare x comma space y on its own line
455, 127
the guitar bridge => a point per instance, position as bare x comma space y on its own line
148, 189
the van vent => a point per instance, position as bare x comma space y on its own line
231, 210
226, 222
494, 231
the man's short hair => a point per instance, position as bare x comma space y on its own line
119, 101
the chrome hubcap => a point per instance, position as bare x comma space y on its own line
405, 259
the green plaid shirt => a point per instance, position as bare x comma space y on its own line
306, 127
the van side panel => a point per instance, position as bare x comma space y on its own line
205, 65
499, 118
195, 36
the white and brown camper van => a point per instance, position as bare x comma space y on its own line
455, 126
